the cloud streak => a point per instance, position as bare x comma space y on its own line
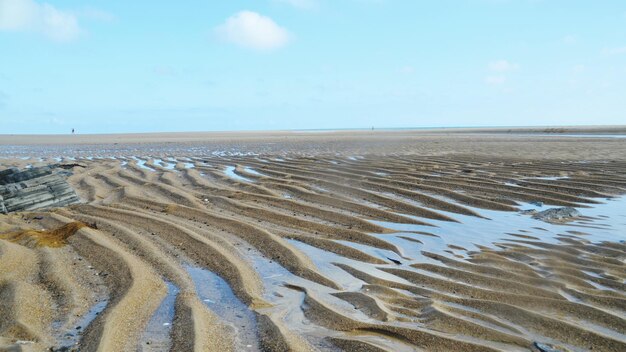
495, 80
499, 70
614, 51
251, 30
502, 66
42, 18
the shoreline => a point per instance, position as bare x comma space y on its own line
187, 137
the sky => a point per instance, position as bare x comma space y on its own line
148, 66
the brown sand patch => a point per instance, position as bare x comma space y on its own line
45, 238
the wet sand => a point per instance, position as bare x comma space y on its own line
330, 241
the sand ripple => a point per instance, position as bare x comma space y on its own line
372, 253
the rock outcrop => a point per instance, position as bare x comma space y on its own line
35, 188
557, 214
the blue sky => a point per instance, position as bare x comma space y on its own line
146, 66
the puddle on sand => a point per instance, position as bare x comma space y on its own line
287, 302
324, 260
221, 300
230, 172
383, 254
70, 338
163, 164
156, 337
498, 225
142, 164
252, 171
548, 178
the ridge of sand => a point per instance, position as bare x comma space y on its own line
378, 252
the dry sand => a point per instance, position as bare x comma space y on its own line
300, 241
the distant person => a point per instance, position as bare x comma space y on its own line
72, 131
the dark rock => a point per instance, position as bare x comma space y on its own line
70, 166
395, 261
34, 188
547, 348
537, 203
555, 214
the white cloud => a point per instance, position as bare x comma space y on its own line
495, 80
43, 18
570, 39
301, 4
407, 70
615, 51
499, 70
164, 71
251, 30
502, 66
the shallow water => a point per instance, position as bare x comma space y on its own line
548, 178
163, 164
497, 226
324, 260
156, 337
230, 172
219, 298
72, 337
142, 164
252, 171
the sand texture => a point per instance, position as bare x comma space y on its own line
372, 241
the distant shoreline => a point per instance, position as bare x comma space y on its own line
193, 137
609, 129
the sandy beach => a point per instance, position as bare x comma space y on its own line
320, 241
